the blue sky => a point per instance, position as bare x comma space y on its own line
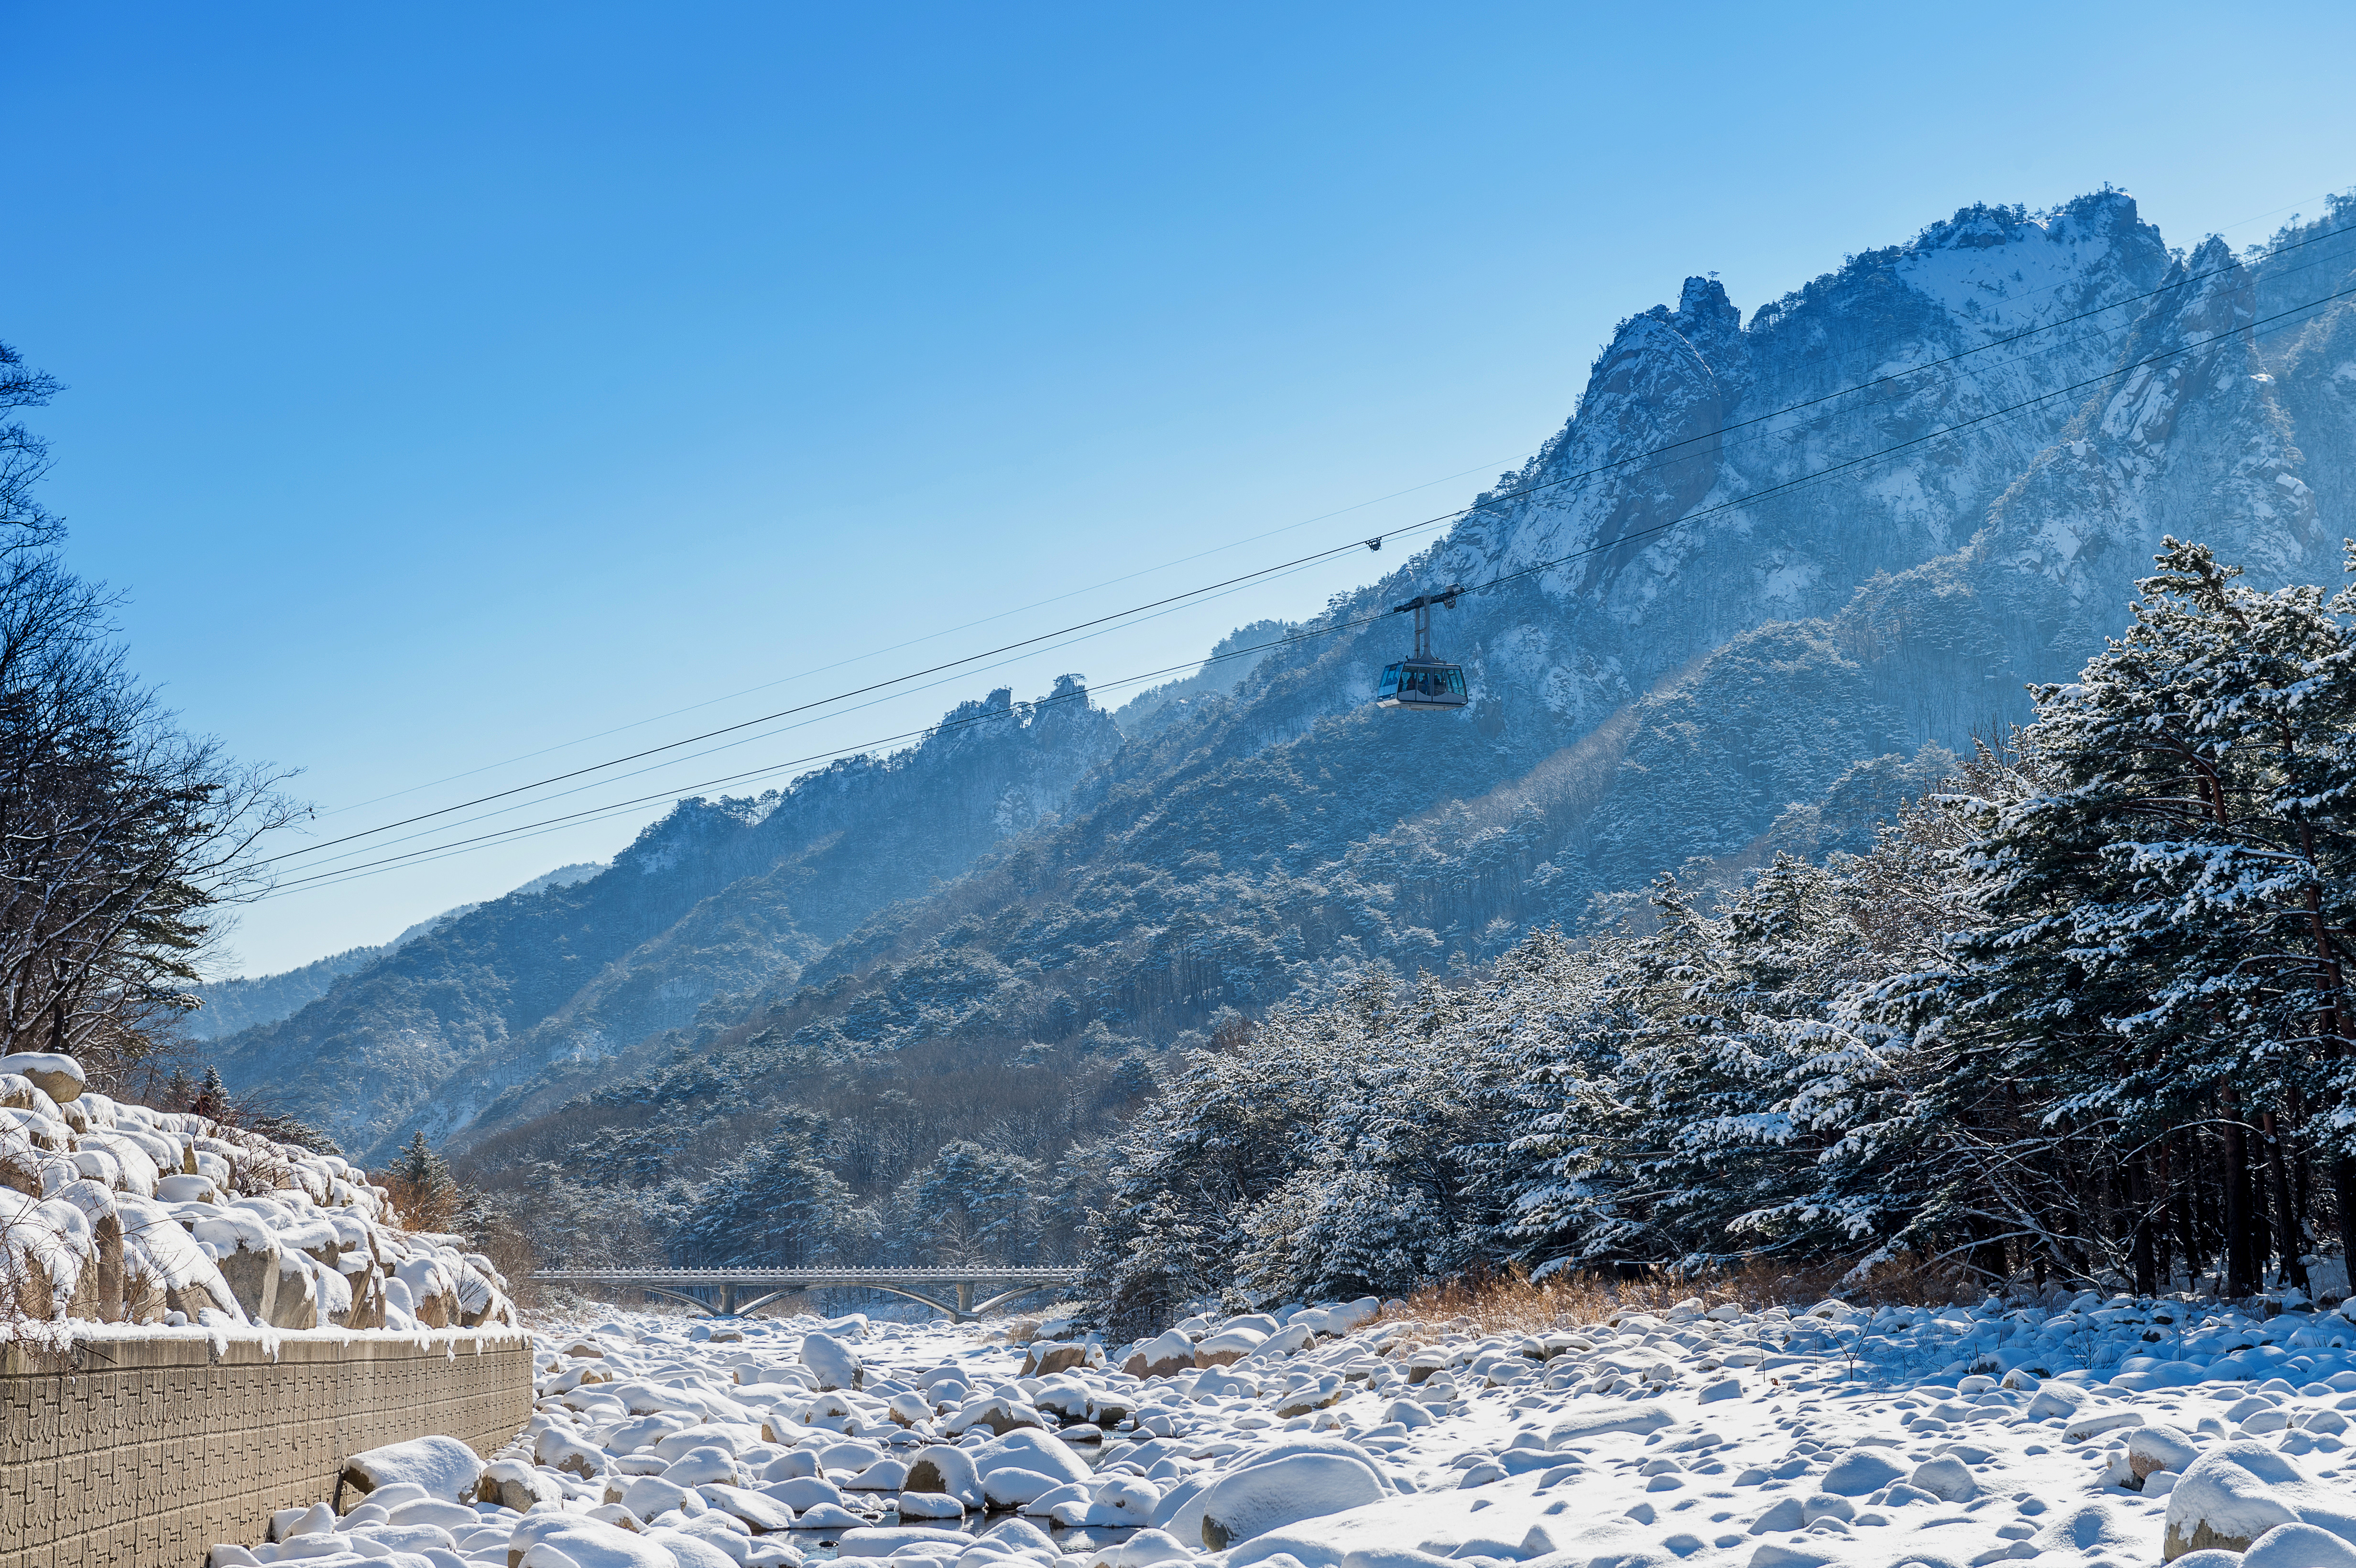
450, 383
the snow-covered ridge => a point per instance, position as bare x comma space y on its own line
2087, 1431
117, 1214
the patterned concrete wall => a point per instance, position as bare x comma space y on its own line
143, 1451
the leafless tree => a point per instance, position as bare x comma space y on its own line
121, 837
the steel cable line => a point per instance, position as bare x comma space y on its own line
749, 739
1334, 629
327, 866
1455, 515
930, 636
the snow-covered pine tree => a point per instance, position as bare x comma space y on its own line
2166, 924
971, 1205
1229, 1128
1385, 1200
776, 1205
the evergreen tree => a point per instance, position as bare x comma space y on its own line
2167, 924
971, 1205
212, 1097
776, 1205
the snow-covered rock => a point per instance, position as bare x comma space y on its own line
1229, 1345
2296, 1546
442, 1467
1047, 1356
951, 1472
59, 1076
1259, 1498
1165, 1356
2233, 1494
834, 1362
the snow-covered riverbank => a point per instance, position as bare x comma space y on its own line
2084, 1435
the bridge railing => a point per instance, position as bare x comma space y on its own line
962, 1284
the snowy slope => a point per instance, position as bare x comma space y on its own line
717, 897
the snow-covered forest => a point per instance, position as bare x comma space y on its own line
2078, 1012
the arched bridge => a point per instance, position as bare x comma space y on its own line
950, 1291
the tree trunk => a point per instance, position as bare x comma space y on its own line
2241, 1257
2289, 1238
2186, 1180
2144, 1245
2343, 1202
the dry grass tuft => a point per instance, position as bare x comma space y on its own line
1512, 1302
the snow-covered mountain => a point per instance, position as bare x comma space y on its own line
717, 897
247, 1001
1765, 566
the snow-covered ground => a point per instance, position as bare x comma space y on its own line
2081, 1434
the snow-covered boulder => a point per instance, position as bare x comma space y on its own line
444, 1467
705, 1463
1596, 1422
648, 1496
802, 1492
1165, 1357
586, 1542
59, 1076
562, 1450
1229, 1345
1046, 1357
47, 1257
1287, 1340
998, 1412
760, 1512
1859, 1471
2298, 1546
885, 1542
1146, 1549
1031, 1449
517, 1484
2233, 1494
835, 1364
1010, 1486
1277, 1492
2151, 1449
1946, 1478
948, 1471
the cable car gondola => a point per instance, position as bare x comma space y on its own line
1423, 681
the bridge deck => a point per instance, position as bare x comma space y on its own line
815, 1275
913, 1283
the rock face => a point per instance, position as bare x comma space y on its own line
720, 896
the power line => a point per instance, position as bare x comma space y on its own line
1456, 515
931, 636
436, 851
749, 739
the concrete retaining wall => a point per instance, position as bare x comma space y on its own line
142, 1450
